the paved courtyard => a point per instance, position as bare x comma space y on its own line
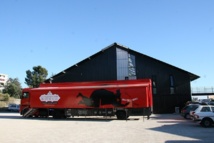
166, 128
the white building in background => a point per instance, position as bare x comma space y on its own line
3, 80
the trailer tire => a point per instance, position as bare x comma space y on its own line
121, 115
59, 114
56, 115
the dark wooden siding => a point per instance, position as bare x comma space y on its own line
164, 102
98, 67
102, 66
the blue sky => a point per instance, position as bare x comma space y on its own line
59, 33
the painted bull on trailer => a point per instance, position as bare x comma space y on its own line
102, 97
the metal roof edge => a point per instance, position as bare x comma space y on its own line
192, 76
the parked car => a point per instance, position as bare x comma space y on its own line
185, 112
205, 101
204, 114
13, 107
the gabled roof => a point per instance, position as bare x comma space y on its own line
191, 75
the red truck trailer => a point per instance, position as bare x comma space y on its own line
122, 98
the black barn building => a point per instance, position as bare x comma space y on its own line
171, 85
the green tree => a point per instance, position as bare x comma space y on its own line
35, 77
13, 88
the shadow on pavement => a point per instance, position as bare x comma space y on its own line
80, 118
183, 141
177, 125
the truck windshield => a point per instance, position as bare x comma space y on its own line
25, 95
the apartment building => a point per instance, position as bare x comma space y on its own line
3, 81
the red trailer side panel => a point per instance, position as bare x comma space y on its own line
124, 97
129, 94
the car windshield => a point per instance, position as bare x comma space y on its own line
194, 107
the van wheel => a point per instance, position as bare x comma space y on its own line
206, 122
121, 115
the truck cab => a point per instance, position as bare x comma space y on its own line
25, 101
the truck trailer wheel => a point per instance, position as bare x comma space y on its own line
59, 114
121, 115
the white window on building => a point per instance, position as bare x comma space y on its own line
172, 86
3, 81
126, 67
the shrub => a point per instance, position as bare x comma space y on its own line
4, 97
2, 105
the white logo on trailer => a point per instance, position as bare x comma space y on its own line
49, 97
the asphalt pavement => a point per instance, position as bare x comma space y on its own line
160, 128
